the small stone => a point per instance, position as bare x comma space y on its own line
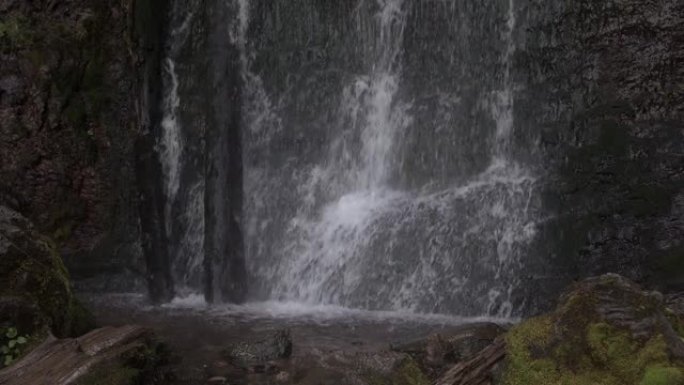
220, 364
282, 377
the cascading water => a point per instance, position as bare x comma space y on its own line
341, 226
184, 207
371, 179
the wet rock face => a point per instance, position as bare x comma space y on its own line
67, 106
601, 85
606, 330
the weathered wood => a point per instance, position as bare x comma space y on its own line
438, 352
478, 370
63, 362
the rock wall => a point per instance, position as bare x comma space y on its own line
601, 87
70, 77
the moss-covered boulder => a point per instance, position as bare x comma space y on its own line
35, 292
606, 331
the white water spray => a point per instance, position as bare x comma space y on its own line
350, 233
171, 143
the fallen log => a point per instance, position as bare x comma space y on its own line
478, 370
65, 361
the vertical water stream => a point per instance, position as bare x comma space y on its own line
363, 186
352, 233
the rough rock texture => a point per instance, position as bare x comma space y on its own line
206, 64
111, 356
675, 302
150, 27
249, 354
35, 291
606, 331
68, 87
603, 89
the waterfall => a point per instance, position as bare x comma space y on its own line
365, 184
325, 242
353, 234
170, 145
184, 206
502, 105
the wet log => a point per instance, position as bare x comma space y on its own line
479, 369
65, 361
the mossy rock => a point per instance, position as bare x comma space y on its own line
606, 331
663, 376
32, 271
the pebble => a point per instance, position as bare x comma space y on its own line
283, 377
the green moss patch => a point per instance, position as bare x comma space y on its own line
576, 345
663, 376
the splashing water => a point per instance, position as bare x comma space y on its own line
358, 239
333, 224
184, 206
171, 144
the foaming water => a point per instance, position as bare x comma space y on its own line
298, 312
360, 250
343, 207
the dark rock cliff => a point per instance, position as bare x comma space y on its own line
223, 245
80, 87
604, 87
68, 84
150, 27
